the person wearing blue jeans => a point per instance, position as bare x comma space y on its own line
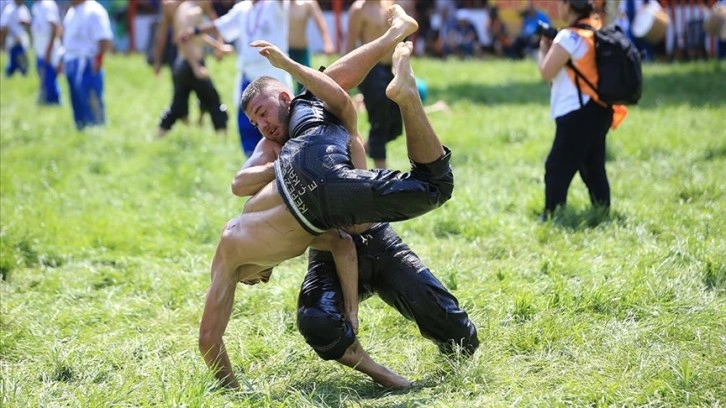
87, 37
85, 84
248, 21
46, 31
14, 22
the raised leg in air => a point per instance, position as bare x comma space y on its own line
422, 142
350, 69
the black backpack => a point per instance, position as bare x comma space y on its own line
620, 79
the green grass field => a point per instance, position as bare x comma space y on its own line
107, 236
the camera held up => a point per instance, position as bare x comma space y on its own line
546, 30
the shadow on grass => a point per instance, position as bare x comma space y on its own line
703, 85
333, 393
583, 219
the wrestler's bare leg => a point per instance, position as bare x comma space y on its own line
350, 69
357, 358
421, 141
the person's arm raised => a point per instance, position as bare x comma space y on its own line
335, 99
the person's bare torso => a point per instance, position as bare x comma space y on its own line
300, 12
374, 23
187, 15
267, 232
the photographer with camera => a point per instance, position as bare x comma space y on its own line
582, 120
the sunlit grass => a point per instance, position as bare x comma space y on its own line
107, 235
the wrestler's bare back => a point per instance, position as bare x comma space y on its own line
373, 17
299, 13
266, 234
187, 15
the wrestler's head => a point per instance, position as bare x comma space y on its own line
266, 102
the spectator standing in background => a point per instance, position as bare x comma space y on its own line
628, 10
189, 72
498, 32
14, 23
527, 40
368, 20
300, 12
582, 120
87, 37
247, 21
46, 30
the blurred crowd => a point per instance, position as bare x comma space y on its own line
663, 30
682, 29
478, 28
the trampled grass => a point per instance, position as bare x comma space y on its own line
107, 235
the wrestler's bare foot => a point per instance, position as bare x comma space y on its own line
392, 380
402, 87
357, 358
401, 22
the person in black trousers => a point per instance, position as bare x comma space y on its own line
582, 119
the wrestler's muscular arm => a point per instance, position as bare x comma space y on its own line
345, 256
258, 170
216, 315
335, 99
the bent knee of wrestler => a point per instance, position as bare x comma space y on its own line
229, 237
438, 175
328, 334
466, 344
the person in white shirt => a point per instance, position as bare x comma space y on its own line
627, 10
14, 23
582, 120
46, 30
247, 21
87, 37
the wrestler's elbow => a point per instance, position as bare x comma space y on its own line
238, 188
349, 116
243, 188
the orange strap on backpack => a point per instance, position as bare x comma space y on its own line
619, 114
589, 74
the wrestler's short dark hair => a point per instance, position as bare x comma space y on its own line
258, 86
